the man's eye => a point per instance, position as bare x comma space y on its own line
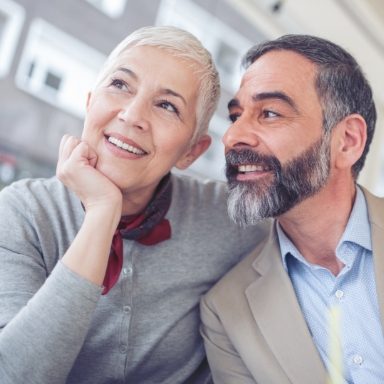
168, 106
120, 84
233, 117
270, 114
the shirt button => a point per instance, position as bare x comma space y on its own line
123, 349
127, 309
357, 359
339, 294
127, 271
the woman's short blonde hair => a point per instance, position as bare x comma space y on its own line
182, 44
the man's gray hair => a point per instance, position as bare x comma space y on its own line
181, 44
340, 83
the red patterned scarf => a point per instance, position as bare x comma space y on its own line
148, 228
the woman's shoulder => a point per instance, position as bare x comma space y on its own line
199, 201
41, 194
200, 191
200, 207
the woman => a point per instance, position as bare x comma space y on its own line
84, 302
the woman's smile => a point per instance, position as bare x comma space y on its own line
121, 146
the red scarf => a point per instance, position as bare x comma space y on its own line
148, 228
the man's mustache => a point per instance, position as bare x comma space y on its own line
248, 156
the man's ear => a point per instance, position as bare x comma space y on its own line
195, 151
352, 137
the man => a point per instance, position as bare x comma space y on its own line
307, 305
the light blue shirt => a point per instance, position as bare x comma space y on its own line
352, 294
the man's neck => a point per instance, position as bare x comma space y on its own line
316, 225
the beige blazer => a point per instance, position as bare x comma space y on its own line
253, 327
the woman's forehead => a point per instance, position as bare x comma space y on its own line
162, 68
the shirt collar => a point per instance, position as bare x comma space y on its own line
357, 231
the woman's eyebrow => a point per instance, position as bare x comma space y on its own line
127, 71
168, 91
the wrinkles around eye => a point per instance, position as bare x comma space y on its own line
120, 84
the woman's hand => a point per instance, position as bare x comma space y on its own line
76, 170
102, 199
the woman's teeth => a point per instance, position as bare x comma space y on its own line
125, 146
252, 168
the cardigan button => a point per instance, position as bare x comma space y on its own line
123, 349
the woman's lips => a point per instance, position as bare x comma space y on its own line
124, 144
126, 149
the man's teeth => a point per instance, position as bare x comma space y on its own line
252, 168
125, 146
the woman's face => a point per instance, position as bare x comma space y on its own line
141, 119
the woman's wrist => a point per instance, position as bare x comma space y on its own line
89, 253
105, 215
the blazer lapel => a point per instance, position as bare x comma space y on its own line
277, 312
376, 220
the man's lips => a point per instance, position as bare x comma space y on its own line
251, 171
125, 144
245, 168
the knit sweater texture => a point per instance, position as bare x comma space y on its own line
56, 327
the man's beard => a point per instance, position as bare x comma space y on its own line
276, 193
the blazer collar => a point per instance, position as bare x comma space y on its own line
376, 220
277, 312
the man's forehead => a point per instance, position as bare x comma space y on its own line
279, 69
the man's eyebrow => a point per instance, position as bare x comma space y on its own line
233, 103
168, 91
127, 71
275, 95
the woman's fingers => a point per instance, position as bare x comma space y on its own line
62, 143
76, 170
70, 144
67, 145
84, 153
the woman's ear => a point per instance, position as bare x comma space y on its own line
195, 151
88, 100
351, 140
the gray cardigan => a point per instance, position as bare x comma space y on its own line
55, 327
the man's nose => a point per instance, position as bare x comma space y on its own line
135, 112
242, 133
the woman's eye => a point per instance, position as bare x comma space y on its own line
120, 84
168, 106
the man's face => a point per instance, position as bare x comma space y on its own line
275, 150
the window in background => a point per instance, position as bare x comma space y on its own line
12, 17
226, 45
58, 68
112, 8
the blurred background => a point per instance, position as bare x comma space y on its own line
52, 50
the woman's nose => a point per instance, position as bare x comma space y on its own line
242, 133
135, 112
